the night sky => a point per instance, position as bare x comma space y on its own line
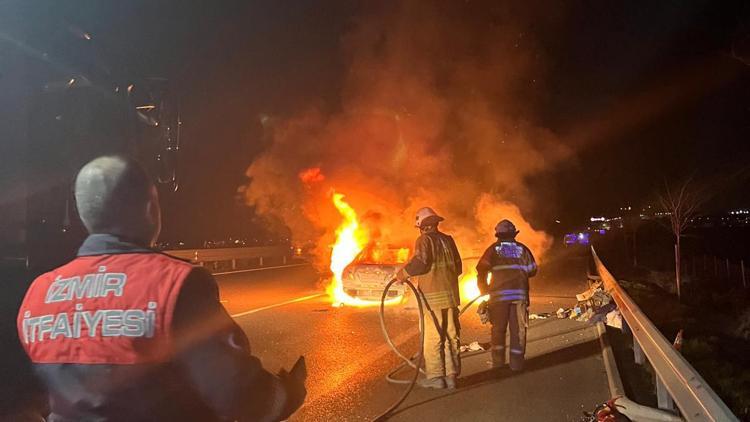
644, 92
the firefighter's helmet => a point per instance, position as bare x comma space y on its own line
427, 216
505, 229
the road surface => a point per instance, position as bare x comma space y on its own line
285, 316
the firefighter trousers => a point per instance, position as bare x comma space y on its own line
441, 342
513, 314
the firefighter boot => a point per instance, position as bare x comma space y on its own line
437, 383
498, 357
450, 382
516, 360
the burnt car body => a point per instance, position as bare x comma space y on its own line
365, 279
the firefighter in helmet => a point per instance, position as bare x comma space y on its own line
124, 332
435, 267
511, 264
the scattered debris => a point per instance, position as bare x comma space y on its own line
605, 412
474, 346
321, 310
543, 315
594, 305
614, 319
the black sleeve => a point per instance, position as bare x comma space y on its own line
214, 354
421, 262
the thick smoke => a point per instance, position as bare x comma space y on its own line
436, 110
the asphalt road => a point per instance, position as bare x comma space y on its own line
285, 316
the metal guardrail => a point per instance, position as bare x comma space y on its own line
202, 256
677, 381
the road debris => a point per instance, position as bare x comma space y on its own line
594, 305
543, 315
474, 346
606, 412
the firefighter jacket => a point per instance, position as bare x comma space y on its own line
435, 266
511, 264
125, 333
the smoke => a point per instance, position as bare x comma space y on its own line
437, 109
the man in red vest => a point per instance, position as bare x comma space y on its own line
125, 333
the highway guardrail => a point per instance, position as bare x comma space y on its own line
677, 382
259, 255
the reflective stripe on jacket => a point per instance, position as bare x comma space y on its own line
511, 264
435, 266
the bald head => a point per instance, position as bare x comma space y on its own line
114, 195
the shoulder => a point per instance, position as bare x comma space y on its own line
198, 295
424, 238
200, 279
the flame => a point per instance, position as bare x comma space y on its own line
402, 255
351, 239
467, 285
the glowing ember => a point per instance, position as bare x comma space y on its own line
351, 239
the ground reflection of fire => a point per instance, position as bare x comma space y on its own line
351, 239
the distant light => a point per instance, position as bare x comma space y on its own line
598, 219
71, 81
557, 221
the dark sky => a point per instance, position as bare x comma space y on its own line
644, 91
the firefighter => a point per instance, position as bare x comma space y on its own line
435, 267
511, 264
126, 333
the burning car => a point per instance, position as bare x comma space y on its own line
366, 277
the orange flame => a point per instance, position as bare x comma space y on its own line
403, 255
351, 239
468, 288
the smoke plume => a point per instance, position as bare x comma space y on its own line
437, 109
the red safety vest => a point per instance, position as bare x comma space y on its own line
103, 309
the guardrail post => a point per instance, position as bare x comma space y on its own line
234, 264
663, 399
283, 259
638, 355
260, 261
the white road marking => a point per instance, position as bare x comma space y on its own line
299, 299
261, 269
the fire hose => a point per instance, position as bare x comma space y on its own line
415, 361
